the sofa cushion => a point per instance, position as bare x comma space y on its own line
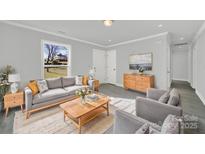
71, 90
171, 125
42, 85
49, 95
174, 97
164, 98
54, 83
68, 81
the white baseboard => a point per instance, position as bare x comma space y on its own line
200, 96
119, 85
180, 79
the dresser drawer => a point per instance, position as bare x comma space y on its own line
142, 79
9, 99
130, 84
129, 77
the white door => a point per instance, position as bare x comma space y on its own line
111, 66
99, 63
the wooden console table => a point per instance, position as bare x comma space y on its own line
138, 82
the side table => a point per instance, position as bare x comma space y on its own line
12, 100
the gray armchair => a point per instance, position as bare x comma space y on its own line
151, 109
126, 123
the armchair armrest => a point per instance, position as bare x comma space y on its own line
28, 98
155, 111
125, 123
155, 93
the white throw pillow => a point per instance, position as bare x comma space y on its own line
79, 80
42, 86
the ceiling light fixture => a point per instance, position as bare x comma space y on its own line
109, 40
108, 23
160, 25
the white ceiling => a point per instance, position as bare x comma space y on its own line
122, 30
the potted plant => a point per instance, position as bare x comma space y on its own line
4, 85
82, 93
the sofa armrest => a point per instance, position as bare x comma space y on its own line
125, 123
28, 98
155, 93
155, 111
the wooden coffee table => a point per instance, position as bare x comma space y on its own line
80, 114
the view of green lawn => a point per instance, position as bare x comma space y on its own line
55, 72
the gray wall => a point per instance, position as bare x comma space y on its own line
199, 67
180, 63
21, 48
158, 46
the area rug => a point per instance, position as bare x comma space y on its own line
51, 121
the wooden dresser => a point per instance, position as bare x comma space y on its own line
138, 82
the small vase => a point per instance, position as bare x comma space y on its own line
83, 100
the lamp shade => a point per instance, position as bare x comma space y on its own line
14, 78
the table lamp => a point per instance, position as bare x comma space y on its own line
14, 79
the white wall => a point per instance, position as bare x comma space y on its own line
180, 63
21, 48
158, 46
199, 66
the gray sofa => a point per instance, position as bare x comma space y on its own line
59, 90
151, 109
126, 123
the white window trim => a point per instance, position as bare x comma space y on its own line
69, 66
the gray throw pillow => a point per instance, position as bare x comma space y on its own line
68, 81
170, 125
173, 97
164, 98
54, 83
42, 85
144, 129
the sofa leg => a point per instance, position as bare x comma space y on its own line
27, 115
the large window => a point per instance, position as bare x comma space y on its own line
56, 60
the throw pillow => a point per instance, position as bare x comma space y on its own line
164, 98
171, 125
85, 80
79, 80
54, 83
42, 86
33, 86
174, 97
68, 81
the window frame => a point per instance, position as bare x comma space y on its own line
69, 66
